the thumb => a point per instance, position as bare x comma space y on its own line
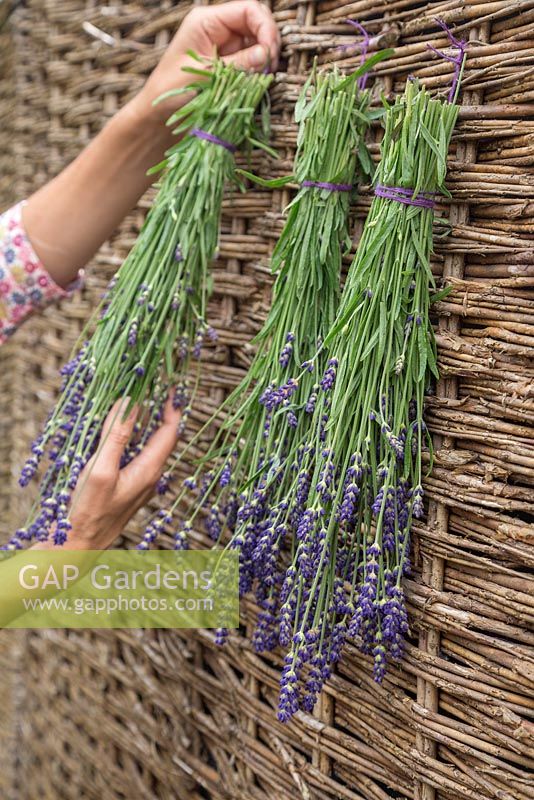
256, 58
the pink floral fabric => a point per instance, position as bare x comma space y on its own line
25, 285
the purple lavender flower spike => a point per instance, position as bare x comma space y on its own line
287, 350
132, 334
144, 291
379, 665
28, 471
183, 348
284, 395
389, 520
162, 486
286, 624
312, 401
273, 397
63, 526
288, 702
75, 469
329, 377
221, 635
326, 477
199, 341
226, 475
181, 537
307, 524
183, 422
292, 419
213, 523
322, 430
349, 503
190, 483
378, 502
180, 396
303, 488
265, 636
417, 502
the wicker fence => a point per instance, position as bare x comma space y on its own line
137, 715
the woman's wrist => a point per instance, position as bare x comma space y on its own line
144, 132
68, 219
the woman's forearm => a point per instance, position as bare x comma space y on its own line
69, 218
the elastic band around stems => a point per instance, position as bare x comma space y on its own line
331, 187
405, 196
461, 46
210, 137
364, 45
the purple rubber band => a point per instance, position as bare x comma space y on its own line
362, 80
364, 45
405, 196
210, 137
461, 46
332, 187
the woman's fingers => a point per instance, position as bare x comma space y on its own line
146, 468
246, 19
116, 433
255, 20
234, 44
242, 32
255, 58
266, 31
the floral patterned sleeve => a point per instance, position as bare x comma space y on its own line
25, 285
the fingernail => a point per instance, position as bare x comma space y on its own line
258, 56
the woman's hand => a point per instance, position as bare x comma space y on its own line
69, 218
107, 496
242, 32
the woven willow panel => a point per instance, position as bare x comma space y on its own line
24, 121
167, 715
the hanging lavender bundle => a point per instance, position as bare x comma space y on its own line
253, 460
362, 458
152, 320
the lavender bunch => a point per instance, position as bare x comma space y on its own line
252, 466
362, 456
253, 461
152, 320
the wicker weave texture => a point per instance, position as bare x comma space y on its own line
24, 114
167, 714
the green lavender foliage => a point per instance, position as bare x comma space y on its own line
178, 240
363, 455
152, 320
382, 335
333, 116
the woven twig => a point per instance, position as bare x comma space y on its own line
167, 714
